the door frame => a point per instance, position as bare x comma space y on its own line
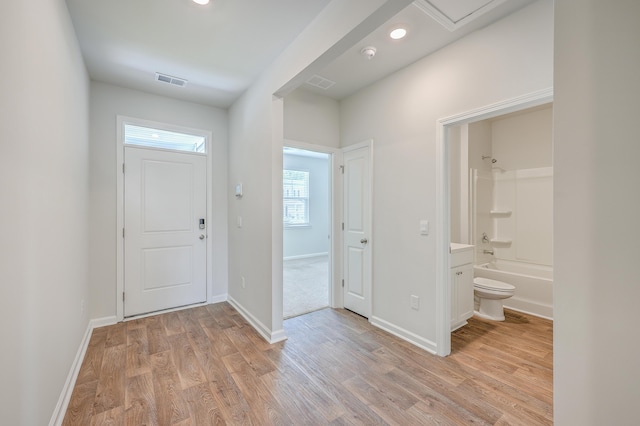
121, 120
366, 143
443, 195
335, 203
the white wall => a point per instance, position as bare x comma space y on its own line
256, 133
480, 145
300, 241
596, 152
400, 114
523, 141
108, 101
44, 201
311, 118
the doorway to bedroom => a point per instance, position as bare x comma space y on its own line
306, 231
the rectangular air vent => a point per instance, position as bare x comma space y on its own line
321, 82
180, 82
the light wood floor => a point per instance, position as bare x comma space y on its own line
206, 366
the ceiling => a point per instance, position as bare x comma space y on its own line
222, 47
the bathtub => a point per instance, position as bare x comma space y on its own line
533, 283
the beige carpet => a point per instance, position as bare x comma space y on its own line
306, 285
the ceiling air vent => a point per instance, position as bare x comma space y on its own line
180, 82
321, 82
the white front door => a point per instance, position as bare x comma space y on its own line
165, 248
357, 229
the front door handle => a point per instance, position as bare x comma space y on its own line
364, 241
201, 236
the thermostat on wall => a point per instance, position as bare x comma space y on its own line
239, 190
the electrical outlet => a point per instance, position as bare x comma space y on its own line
415, 302
244, 284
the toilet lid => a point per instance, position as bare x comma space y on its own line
489, 284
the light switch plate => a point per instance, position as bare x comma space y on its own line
415, 302
424, 227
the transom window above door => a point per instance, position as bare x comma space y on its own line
164, 139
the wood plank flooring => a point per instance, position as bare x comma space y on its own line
207, 366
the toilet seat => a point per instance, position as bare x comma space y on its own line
492, 285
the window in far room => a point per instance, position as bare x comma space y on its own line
296, 197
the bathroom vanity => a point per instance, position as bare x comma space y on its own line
461, 284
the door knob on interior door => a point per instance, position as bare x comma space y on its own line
201, 236
364, 241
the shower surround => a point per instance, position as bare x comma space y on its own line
515, 210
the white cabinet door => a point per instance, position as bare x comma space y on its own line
461, 295
465, 292
454, 298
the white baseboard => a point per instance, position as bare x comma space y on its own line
278, 336
65, 396
102, 322
264, 331
410, 337
217, 298
529, 307
305, 256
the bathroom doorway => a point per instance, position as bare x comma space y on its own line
461, 219
307, 224
502, 202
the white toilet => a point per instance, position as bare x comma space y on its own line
489, 296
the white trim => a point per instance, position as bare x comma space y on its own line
103, 322
444, 20
335, 217
263, 330
65, 395
306, 256
406, 335
218, 298
528, 307
120, 121
443, 292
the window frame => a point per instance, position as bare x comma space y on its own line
124, 121
306, 200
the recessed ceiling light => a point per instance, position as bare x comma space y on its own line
201, 1
398, 33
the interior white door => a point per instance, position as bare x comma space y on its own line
357, 229
165, 249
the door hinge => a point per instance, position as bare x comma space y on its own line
343, 226
123, 296
343, 283
122, 232
122, 167
342, 169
